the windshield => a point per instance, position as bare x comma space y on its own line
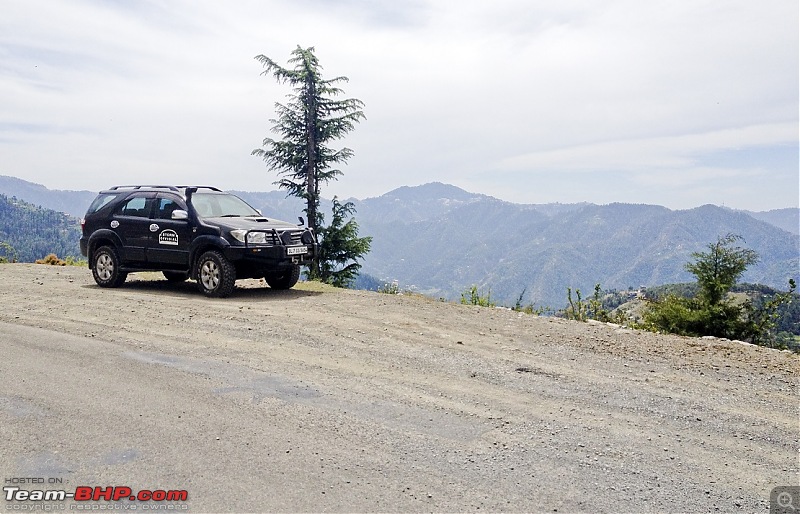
214, 205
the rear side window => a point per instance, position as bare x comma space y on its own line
100, 202
138, 206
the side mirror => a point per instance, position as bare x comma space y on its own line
302, 221
180, 214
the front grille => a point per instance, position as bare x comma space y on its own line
296, 235
273, 239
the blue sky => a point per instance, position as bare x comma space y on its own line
678, 103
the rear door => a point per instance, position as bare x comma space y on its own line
168, 245
131, 221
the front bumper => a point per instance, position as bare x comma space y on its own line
260, 261
272, 256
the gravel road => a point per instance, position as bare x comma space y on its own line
317, 399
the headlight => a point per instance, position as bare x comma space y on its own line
238, 235
258, 238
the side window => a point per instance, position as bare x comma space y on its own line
137, 206
100, 202
165, 206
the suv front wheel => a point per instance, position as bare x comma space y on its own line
106, 270
215, 275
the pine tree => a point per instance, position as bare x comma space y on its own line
341, 247
312, 119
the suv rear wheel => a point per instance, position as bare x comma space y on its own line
106, 270
215, 275
284, 279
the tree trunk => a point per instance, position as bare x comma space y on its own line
311, 151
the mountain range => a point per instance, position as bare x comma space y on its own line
439, 240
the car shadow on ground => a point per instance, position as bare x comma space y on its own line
250, 290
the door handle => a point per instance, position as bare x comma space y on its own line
153, 227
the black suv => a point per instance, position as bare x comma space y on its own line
196, 232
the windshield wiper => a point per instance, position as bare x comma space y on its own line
231, 216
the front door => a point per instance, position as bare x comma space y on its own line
169, 238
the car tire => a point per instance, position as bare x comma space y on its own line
215, 275
285, 279
175, 276
106, 268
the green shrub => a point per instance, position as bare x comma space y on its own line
577, 310
711, 312
73, 261
762, 321
473, 296
594, 309
530, 308
693, 317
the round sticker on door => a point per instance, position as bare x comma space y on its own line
168, 237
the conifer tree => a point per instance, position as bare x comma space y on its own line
312, 119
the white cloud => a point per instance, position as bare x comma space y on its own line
666, 152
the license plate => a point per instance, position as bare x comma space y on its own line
296, 250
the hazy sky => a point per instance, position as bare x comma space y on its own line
678, 103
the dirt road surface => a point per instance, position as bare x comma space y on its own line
317, 399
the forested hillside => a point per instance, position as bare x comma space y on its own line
73, 203
32, 232
509, 248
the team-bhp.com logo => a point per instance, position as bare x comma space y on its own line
94, 494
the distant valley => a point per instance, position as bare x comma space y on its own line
438, 239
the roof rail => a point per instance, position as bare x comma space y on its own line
201, 187
171, 188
